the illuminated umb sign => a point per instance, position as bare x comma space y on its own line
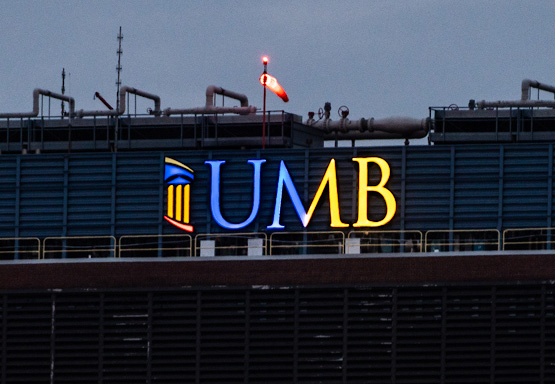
285, 184
179, 177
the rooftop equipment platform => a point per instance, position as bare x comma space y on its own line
97, 134
206, 127
523, 120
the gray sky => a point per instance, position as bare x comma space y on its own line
380, 58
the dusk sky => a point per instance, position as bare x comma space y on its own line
379, 58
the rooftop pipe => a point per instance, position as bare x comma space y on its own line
527, 84
209, 107
36, 93
99, 96
524, 101
121, 110
387, 128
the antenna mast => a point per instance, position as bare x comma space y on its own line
118, 68
63, 88
118, 83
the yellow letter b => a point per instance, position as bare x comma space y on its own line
364, 188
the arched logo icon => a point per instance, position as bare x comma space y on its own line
178, 178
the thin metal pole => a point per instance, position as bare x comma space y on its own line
63, 88
265, 61
118, 83
264, 119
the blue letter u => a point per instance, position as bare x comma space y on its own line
215, 194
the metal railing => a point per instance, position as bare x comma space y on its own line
462, 240
231, 244
298, 243
528, 239
161, 245
384, 242
279, 243
79, 247
19, 248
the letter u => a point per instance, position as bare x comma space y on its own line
215, 194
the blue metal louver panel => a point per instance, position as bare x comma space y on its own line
457, 187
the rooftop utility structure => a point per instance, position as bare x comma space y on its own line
498, 121
208, 126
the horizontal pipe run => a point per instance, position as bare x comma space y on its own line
210, 110
391, 127
375, 135
516, 104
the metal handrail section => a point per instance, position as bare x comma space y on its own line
19, 249
68, 249
431, 244
305, 244
529, 237
232, 237
237, 243
405, 239
163, 243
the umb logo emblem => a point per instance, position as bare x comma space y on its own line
178, 177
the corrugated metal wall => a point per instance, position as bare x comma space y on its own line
436, 187
404, 334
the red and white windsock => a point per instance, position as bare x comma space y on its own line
272, 84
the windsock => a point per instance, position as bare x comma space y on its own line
271, 83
